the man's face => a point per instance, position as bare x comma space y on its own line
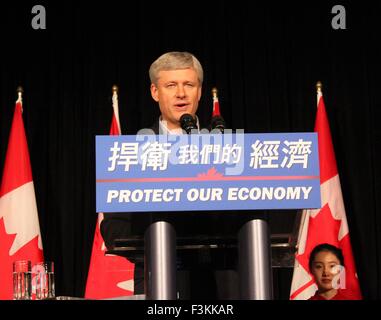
177, 92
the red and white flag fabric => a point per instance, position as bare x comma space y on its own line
109, 275
216, 105
325, 225
20, 237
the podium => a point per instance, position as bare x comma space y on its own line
257, 250
242, 173
254, 261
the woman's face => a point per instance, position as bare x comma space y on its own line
325, 269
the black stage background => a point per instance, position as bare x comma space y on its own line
265, 61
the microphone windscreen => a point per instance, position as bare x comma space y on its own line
187, 122
218, 123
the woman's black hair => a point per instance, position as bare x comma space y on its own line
326, 247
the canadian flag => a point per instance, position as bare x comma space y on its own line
325, 225
20, 237
109, 275
216, 104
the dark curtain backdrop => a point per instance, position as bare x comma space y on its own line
264, 59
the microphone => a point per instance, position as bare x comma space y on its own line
188, 123
218, 123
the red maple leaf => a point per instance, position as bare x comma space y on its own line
323, 228
211, 174
107, 271
29, 251
110, 271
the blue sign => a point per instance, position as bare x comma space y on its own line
137, 173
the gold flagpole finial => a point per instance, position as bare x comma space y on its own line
115, 89
319, 87
20, 91
214, 92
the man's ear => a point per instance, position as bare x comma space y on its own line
154, 92
199, 93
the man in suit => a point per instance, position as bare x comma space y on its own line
176, 85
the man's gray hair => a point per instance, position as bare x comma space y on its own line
174, 61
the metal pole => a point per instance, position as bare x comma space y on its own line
254, 252
160, 261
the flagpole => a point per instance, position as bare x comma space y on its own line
115, 89
19, 91
319, 92
306, 213
115, 106
319, 87
214, 92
